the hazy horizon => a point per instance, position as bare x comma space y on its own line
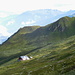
20, 6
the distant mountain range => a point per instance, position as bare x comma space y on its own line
40, 17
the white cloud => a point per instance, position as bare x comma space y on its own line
10, 22
23, 23
3, 31
3, 15
28, 22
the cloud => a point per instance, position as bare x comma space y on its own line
3, 31
28, 22
3, 14
23, 23
10, 22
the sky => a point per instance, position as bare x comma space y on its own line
20, 6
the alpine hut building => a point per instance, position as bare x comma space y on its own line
23, 58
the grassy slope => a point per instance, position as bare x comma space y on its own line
51, 48
16, 45
52, 59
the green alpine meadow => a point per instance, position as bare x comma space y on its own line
52, 48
